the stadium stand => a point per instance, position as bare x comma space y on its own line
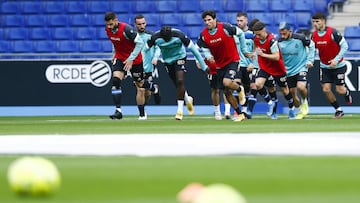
76, 7
76, 23
35, 21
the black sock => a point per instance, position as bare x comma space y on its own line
141, 110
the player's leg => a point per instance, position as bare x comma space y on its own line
341, 87
327, 77
137, 73
302, 89
229, 85
227, 107
118, 74
282, 82
215, 95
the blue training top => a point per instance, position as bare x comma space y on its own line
297, 52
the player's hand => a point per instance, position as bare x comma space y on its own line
259, 52
250, 68
154, 62
211, 59
207, 70
248, 55
198, 65
128, 65
333, 63
309, 65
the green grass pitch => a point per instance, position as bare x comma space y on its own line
129, 179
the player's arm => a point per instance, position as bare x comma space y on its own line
275, 52
130, 34
204, 48
309, 45
235, 31
338, 38
310, 54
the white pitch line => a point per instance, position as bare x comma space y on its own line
308, 144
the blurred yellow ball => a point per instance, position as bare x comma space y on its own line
34, 176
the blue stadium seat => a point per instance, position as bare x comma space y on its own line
354, 44
186, 6
31, 7
45, 46
17, 34
98, 20
170, 19
352, 32
107, 46
101, 33
58, 20
39, 34
211, 5
222, 17
84, 33
121, 6
152, 19
303, 19
53, 7
231, 17
21, 46
143, 6
76, 7
284, 16
280, 6
36, 20
193, 32
127, 18
165, 6
321, 6
233, 6
63, 33
9, 7
303, 6
190, 19
67, 46
153, 28
4, 46
98, 6
90, 46
13, 21
266, 18
2, 37
80, 20
257, 6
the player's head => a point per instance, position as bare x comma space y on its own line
252, 23
318, 20
259, 29
285, 30
241, 20
209, 17
140, 23
111, 21
165, 33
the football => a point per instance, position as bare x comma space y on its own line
33, 176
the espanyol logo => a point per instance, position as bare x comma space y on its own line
97, 73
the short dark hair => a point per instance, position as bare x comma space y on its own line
319, 15
252, 23
211, 13
109, 16
139, 16
242, 14
165, 33
259, 26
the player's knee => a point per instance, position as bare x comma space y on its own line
116, 82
